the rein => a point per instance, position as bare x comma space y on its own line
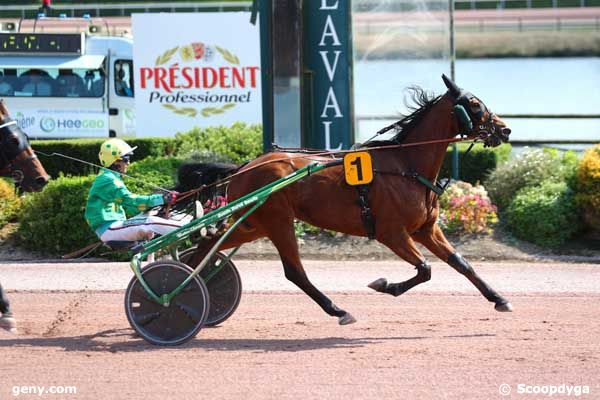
319, 153
107, 169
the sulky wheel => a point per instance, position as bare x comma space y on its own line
224, 286
181, 319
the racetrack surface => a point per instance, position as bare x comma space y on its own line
428, 344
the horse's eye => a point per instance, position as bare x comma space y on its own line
13, 140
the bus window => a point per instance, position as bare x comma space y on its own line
124, 78
52, 82
36, 82
8, 82
69, 84
95, 82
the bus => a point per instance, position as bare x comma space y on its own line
68, 85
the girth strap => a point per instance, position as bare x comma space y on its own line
365, 210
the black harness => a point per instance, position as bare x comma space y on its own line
471, 121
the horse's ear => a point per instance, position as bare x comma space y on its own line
454, 90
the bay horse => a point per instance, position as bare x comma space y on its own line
404, 209
18, 161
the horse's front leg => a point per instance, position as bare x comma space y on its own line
433, 238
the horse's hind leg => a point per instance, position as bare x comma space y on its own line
404, 247
437, 243
284, 240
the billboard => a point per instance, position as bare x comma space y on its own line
195, 70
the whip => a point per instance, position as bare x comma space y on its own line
101, 167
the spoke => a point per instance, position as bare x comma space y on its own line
191, 312
145, 319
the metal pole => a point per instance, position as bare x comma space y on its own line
455, 172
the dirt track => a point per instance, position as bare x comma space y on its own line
423, 345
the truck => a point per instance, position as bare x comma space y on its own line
67, 85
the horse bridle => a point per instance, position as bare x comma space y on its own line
13, 141
474, 123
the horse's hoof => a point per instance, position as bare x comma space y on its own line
504, 307
378, 285
346, 319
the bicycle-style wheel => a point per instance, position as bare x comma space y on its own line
224, 286
175, 323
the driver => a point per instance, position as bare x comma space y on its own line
109, 199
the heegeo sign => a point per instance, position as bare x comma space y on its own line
62, 123
200, 70
49, 124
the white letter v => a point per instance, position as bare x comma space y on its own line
328, 67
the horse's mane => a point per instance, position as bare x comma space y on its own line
422, 103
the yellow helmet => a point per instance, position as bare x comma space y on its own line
113, 150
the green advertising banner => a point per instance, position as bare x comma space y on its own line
327, 75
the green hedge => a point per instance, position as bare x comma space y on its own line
238, 143
529, 168
152, 172
87, 150
545, 214
476, 165
52, 221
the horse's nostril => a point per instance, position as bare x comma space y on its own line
41, 181
506, 131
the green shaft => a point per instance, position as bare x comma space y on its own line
256, 198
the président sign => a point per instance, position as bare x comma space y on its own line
195, 69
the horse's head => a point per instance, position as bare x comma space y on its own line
17, 159
474, 119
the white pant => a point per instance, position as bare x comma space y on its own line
142, 227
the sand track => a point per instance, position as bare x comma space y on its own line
280, 345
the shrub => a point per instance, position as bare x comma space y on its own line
530, 168
87, 150
10, 203
465, 208
152, 172
588, 187
52, 220
476, 165
238, 143
208, 156
545, 214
